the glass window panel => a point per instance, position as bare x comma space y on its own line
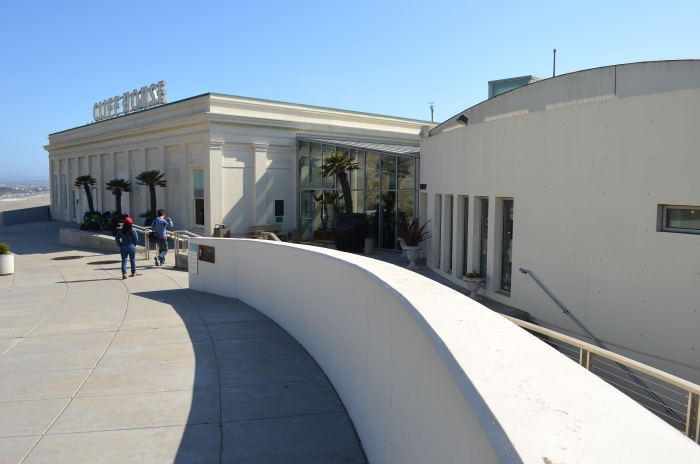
357, 178
507, 245
465, 237
328, 182
315, 163
372, 171
303, 164
198, 182
483, 236
683, 218
358, 200
322, 213
437, 221
388, 218
388, 172
406, 205
306, 211
406, 173
372, 212
345, 151
448, 224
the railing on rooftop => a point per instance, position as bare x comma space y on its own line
679, 395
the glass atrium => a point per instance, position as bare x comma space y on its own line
384, 188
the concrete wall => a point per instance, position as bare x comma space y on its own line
18, 216
587, 180
89, 240
428, 375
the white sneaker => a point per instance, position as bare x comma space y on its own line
157, 262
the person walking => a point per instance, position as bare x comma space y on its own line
159, 226
127, 238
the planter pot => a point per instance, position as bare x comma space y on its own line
473, 284
7, 264
350, 231
402, 242
369, 246
412, 255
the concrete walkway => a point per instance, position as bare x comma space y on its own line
95, 369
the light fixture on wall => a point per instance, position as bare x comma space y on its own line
463, 120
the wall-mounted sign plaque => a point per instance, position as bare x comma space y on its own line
206, 254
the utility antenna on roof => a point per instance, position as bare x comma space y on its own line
431, 111
554, 67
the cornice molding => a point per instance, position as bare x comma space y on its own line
199, 119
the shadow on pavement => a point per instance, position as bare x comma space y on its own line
274, 403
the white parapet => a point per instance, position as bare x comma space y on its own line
428, 375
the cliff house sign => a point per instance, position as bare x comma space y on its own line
146, 97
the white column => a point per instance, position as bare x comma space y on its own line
186, 190
458, 250
162, 195
294, 207
446, 241
491, 256
260, 183
101, 203
213, 167
472, 239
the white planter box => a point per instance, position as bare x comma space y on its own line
7, 264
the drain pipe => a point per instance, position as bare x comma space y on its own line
595, 340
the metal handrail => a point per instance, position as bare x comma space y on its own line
587, 351
600, 345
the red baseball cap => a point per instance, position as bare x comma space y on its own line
128, 220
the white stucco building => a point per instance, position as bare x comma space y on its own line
227, 159
590, 180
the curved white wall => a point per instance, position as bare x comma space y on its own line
428, 375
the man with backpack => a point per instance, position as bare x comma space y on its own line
159, 226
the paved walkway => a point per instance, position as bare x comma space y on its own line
94, 369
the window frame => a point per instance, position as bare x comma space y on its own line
664, 212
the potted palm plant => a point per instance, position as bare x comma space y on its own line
473, 282
413, 234
152, 179
85, 182
7, 260
349, 229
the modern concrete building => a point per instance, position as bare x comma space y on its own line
589, 180
238, 161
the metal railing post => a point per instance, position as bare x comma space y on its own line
147, 246
586, 359
692, 421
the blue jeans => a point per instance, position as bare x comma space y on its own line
162, 247
130, 251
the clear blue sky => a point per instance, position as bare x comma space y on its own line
59, 58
